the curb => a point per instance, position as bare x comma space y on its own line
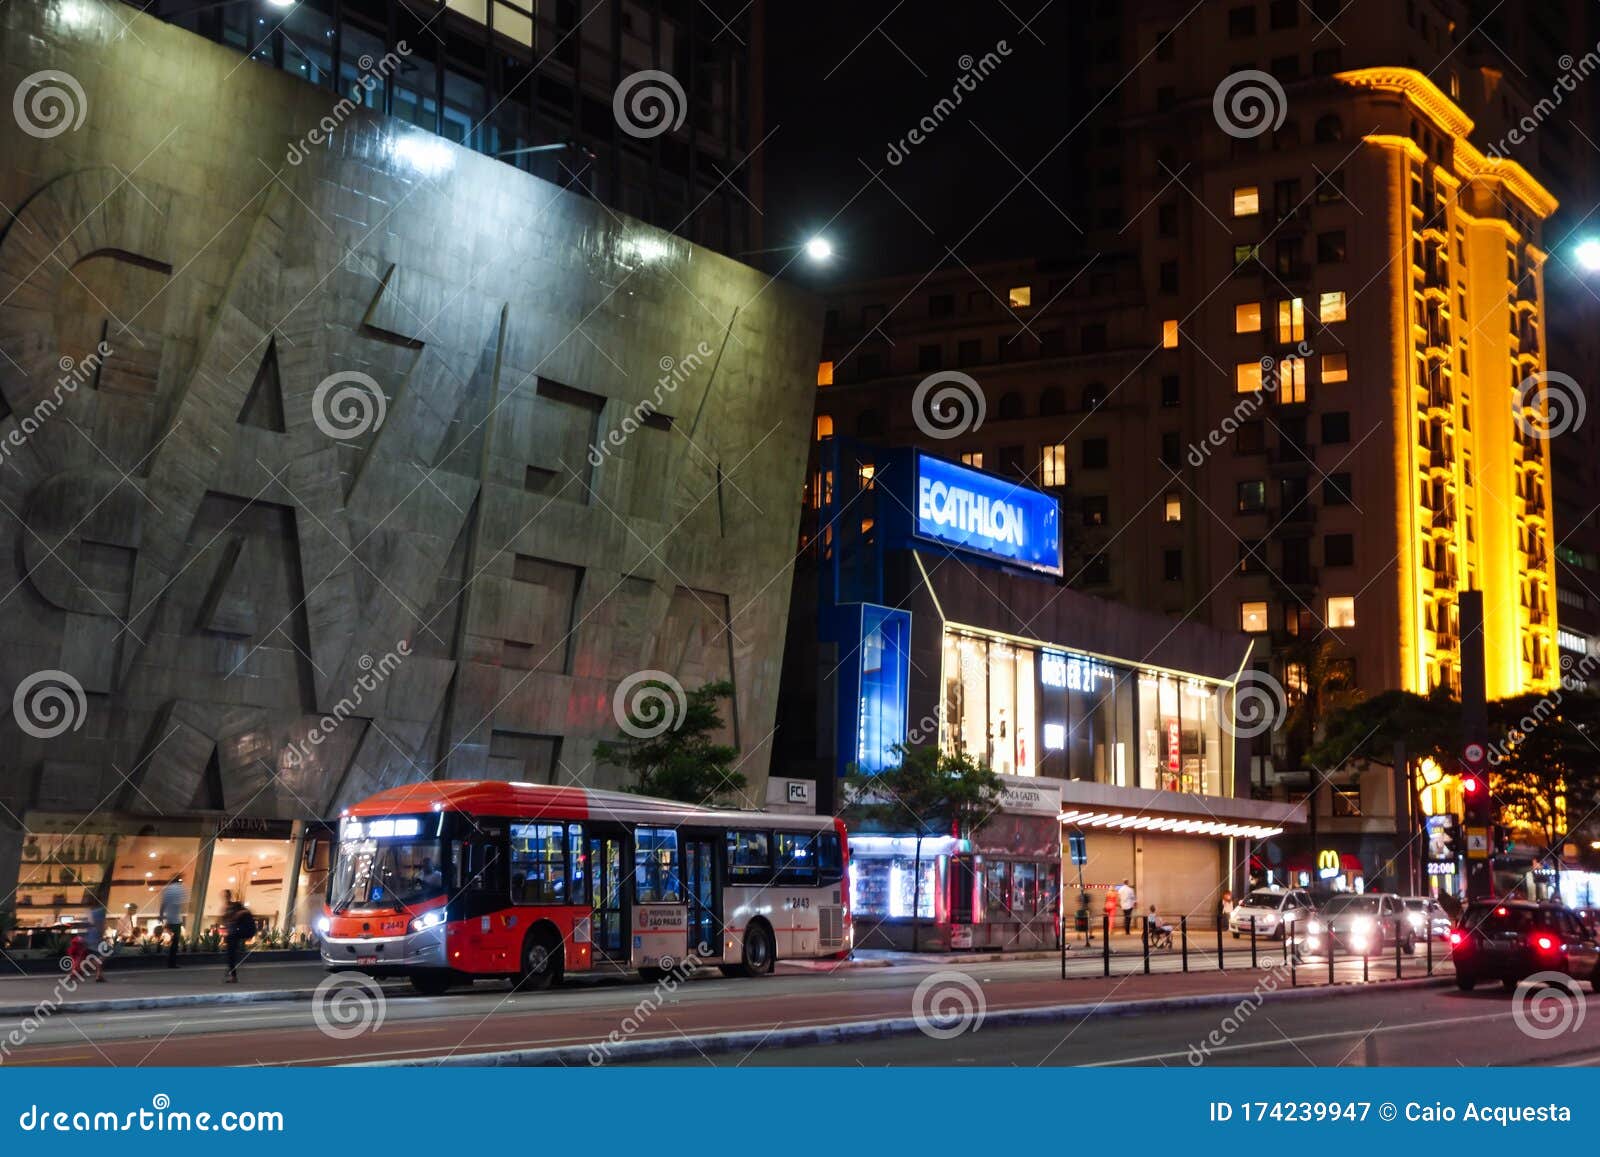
172, 1000
663, 1048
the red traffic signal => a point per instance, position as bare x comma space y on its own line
1470, 784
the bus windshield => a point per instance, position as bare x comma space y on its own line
386, 874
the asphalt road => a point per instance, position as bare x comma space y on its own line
396, 1024
1431, 1026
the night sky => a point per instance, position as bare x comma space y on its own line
839, 94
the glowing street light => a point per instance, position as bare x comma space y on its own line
820, 249
1588, 255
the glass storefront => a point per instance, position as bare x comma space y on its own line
1032, 709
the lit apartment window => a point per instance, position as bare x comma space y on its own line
973, 458
1341, 612
1247, 377
824, 373
1169, 335
868, 472
1331, 308
1291, 381
1571, 641
1292, 320
1246, 201
824, 426
1247, 317
1253, 617
1335, 368
1053, 465
1174, 507
1021, 296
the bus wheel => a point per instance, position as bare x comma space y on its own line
541, 960
431, 983
759, 954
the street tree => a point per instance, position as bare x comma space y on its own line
684, 762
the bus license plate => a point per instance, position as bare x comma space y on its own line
366, 960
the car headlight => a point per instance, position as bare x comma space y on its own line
1361, 926
1314, 927
430, 919
1416, 919
323, 925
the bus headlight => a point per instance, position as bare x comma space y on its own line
323, 925
428, 920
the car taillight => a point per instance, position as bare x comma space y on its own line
1456, 938
1544, 943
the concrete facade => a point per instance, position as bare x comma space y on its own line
392, 464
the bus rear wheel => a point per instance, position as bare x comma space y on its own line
759, 953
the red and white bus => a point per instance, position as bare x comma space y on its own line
450, 880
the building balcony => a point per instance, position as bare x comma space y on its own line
1437, 461
1444, 580
1443, 519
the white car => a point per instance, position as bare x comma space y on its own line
1271, 911
1428, 917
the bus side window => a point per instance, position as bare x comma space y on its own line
830, 864
458, 870
749, 857
488, 868
577, 866
797, 862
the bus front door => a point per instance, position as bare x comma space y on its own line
699, 879
609, 920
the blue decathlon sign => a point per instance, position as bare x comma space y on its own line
996, 517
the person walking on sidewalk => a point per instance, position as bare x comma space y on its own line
238, 926
174, 899
1126, 899
1111, 911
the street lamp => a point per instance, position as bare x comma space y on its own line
1587, 253
820, 249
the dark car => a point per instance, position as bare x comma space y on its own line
1511, 940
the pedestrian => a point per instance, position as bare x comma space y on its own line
94, 938
238, 926
1126, 900
1111, 910
174, 899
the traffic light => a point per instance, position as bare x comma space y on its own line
1502, 840
1471, 785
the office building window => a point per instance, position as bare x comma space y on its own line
1251, 438
1171, 391
1174, 506
1253, 617
1330, 247
824, 373
1247, 377
1095, 509
1251, 497
1331, 307
1172, 565
1341, 612
929, 358
1335, 427
1247, 317
1169, 334
1335, 368
1291, 381
1096, 454
1246, 201
1171, 449
973, 458
1020, 296
1053, 465
1292, 320
1336, 490
824, 426
1339, 550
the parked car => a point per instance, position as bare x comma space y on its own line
1366, 922
1272, 911
1511, 940
1428, 917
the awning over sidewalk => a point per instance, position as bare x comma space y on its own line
1103, 806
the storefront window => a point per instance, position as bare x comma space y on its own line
253, 870
997, 889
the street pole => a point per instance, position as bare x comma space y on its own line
1478, 807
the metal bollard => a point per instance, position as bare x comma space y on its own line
1147, 946
1294, 959
1222, 964
1062, 937
1398, 928
1253, 962
1430, 946
1366, 957
1329, 933
1105, 943
1183, 939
